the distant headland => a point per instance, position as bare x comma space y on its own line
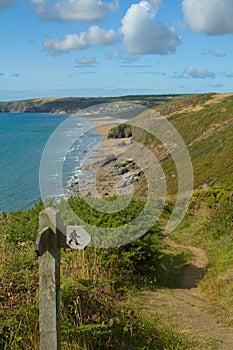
74, 104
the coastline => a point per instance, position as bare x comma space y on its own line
83, 184
109, 170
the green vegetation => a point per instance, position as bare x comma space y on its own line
205, 123
94, 286
98, 283
95, 282
209, 224
208, 133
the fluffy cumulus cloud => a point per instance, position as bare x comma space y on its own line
213, 17
95, 36
101, 37
5, 3
198, 73
143, 35
69, 10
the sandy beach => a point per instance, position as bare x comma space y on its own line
104, 129
108, 170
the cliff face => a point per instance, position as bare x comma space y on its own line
13, 107
67, 106
120, 131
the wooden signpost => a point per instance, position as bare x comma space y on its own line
52, 237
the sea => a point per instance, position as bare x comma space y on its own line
23, 141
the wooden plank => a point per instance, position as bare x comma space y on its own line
49, 280
52, 237
42, 241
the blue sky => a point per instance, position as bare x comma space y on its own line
54, 48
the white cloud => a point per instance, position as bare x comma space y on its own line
101, 37
155, 4
71, 42
5, 4
198, 73
142, 35
213, 17
193, 72
86, 61
69, 10
95, 36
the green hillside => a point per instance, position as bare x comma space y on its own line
205, 122
207, 129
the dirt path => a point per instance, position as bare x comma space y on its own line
194, 271
186, 308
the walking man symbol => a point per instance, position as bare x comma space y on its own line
74, 238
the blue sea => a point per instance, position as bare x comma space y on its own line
23, 138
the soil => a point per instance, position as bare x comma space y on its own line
186, 308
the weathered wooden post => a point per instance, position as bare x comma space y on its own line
52, 237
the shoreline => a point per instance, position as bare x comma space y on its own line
73, 184
109, 170
83, 185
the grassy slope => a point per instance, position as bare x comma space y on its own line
205, 123
207, 130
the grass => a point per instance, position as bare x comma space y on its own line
170, 337
94, 284
208, 134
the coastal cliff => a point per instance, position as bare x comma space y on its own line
74, 104
204, 122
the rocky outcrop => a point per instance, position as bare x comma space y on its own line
120, 131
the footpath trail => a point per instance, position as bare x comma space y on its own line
187, 308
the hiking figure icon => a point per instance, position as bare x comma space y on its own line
74, 238
77, 237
